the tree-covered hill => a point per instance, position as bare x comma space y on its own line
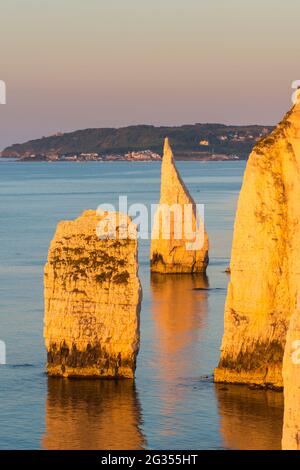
186, 140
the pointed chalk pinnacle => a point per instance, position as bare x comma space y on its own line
179, 244
168, 154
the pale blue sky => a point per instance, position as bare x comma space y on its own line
72, 64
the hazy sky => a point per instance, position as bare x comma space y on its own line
71, 64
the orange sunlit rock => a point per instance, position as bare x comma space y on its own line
92, 300
291, 380
265, 262
179, 244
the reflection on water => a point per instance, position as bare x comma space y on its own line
179, 309
179, 306
92, 414
250, 419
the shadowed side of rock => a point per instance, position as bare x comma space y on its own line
92, 299
265, 262
179, 241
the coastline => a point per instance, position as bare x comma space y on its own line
178, 158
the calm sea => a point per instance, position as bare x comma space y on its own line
173, 403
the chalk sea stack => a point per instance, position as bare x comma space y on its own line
185, 248
291, 380
265, 261
92, 298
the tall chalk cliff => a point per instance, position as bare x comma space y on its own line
291, 380
179, 244
92, 298
265, 261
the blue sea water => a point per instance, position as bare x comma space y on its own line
173, 403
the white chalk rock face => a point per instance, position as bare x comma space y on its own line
179, 241
92, 298
265, 261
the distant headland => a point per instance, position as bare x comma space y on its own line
143, 143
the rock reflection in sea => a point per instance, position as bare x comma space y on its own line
92, 414
179, 306
250, 419
179, 314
